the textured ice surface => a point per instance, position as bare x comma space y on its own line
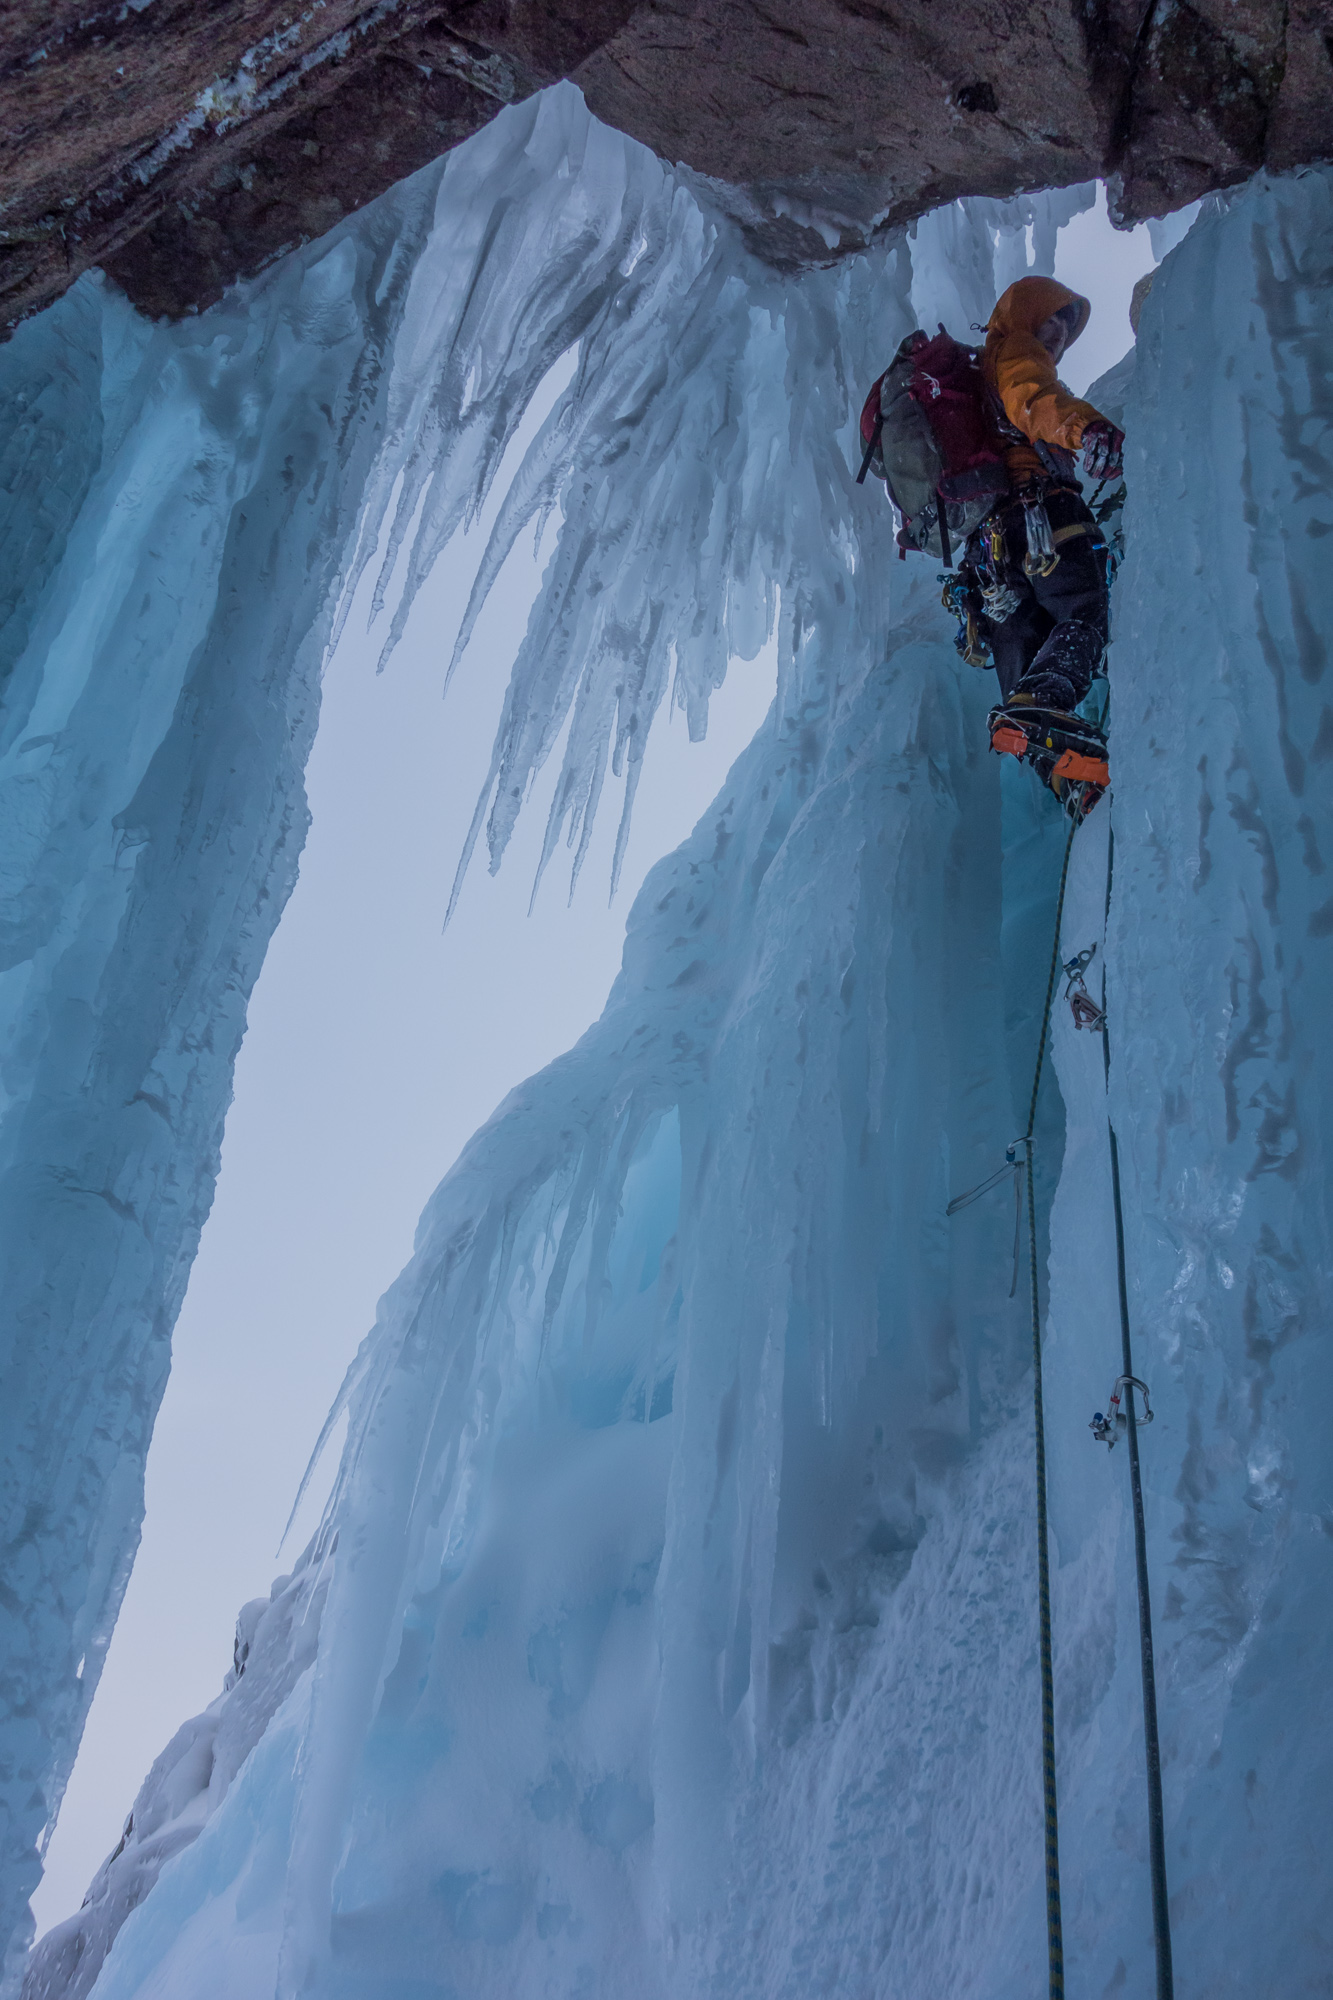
679, 1632
180, 510
174, 505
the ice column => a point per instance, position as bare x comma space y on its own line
678, 1624
179, 510
1220, 969
175, 505
666, 1421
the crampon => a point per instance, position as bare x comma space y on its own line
1067, 754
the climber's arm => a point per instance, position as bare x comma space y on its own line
1032, 396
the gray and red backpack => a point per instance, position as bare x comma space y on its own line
930, 436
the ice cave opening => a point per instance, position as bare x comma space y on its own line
670, 1625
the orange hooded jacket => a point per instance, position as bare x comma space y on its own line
1020, 371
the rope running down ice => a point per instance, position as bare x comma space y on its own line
1152, 1755
1024, 1167
1055, 1951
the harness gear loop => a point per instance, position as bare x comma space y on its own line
986, 557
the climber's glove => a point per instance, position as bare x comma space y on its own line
1103, 450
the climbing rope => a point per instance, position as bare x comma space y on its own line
1086, 1014
1161, 1913
1055, 1950
1019, 1160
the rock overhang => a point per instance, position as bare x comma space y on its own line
180, 147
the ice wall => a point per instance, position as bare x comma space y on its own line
180, 511
651, 1433
173, 508
678, 1621
595, 1335
1220, 972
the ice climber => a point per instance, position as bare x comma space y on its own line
1038, 559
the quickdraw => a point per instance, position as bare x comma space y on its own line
1108, 1429
1086, 1012
1000, 599
1042, 554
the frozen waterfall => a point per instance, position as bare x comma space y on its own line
671, 1629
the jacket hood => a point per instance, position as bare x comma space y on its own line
1030, 302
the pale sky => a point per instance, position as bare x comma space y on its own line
376, 1046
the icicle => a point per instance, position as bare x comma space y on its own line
684, 1512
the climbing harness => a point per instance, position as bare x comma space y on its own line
1109, 1429
1086, 1012
1120, 1420
986, 563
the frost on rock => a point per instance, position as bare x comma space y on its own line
678, 1622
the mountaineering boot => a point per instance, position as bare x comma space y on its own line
1061, 674
1047, 690
1067, 753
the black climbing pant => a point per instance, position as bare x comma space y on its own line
1054, 642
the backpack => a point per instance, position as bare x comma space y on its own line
929, 436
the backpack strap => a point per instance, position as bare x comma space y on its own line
871, 448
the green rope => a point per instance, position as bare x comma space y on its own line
1161, 1909
1055, 1950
